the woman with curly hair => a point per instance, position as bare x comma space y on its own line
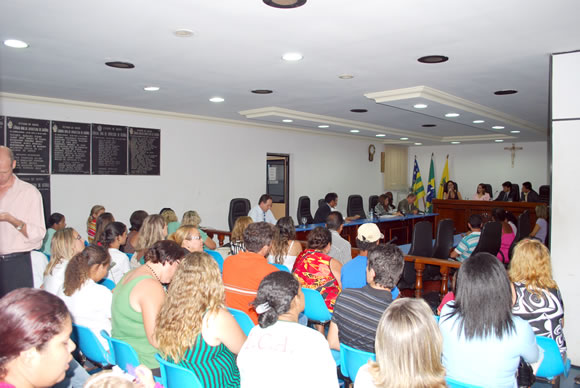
538, 298
194, 328
191, 217
237, 237
285, 248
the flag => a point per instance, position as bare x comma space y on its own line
418, 188
444, 179
431, 187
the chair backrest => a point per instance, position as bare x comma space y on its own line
304, 210
355, 206
458, 384
352, 359
243, 320
217, 257
544, 193
315, 308
123, 352
89, 344
281, 267
488, 189
516, 190
373, 200
238, 207
444, 240
422, 242
524, 227
490, 238
552, 364
175, 376
321, 202
107, 283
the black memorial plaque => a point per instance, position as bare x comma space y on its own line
2, 141
29, 140
42, 183
71, 148
109, 149
144, 151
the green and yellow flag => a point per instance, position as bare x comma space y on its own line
418, 188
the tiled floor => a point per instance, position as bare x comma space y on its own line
564, 382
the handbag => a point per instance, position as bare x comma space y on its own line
525, 375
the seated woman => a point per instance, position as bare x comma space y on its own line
285, 248
138, 298
279, 348
408, 349
537, 297
481, 194
170, 219
102, 221
482, 340
154, 229
36, 345
188, 237
318, 271
191, 217
55, 222
507, 234
65, 244
136, 220
115, 235
540, 230
237, 237
194, 329
89, 303
390, 203
450, 191
96, 211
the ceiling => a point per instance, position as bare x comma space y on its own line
237, 46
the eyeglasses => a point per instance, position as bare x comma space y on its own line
193, 238
78, 237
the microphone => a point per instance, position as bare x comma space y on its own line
392, 240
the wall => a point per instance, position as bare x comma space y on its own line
204, 164
472, 164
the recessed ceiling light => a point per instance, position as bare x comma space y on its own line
359, 110
455, 142
151, 88
478, 121
292, 57
433, 59
420, 106
323, 126
261, 91
346, 76
497, 127
428, 125
404, 138
354, 131
287, 121
452, 115
505, 92
183, 33
380, 135
15, 43
216, 99
498, 140
418, 143
284, 3
515, 131
120, 65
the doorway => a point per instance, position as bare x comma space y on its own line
277, 183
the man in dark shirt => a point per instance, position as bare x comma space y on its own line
528, 194
407, 205
330, 202
507, 194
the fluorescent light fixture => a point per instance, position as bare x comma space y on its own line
404, 138
151, 88
216, 99
15, 43
498, 127
354, 131
418, 143
498, 140
420, 106
323, 126
514, 131
380, 135
455, 142
287, 121
478, 121
292, 57
452, 115
346, 76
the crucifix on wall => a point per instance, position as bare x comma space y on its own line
513, 150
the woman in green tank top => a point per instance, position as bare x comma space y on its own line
138, 298
194, 329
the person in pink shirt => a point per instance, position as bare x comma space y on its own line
481, 194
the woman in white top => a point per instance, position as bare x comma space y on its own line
65, 244
540, 230
114, 235
281, 350
408, 349
88, 302
285, 248
481, 194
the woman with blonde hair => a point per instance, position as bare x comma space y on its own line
237, 237
170, 219
188, 237
540, 230
191, 217
408, 349
65, 244
285, 248
153, 229
194, 328
96, 211
537, 297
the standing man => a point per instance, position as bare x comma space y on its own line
340, 249
407, 205
21, 225
528, 194
261, 212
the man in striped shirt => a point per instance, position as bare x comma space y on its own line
470, 241
358, 310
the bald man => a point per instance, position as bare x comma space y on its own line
21, 225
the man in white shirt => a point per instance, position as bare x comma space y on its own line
261, 212
340, 249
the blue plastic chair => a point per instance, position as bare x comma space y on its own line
217, 257
458, 384
243, 320
552, 365
123, 353
315, 308
352, 359
281, 267
107, 283
175, 376
91, 347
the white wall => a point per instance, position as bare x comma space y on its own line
204, 164
564, 217
472, 164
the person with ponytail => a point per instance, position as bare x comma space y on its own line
88, 302
114, 235
102, 221
281, 348
55, 222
